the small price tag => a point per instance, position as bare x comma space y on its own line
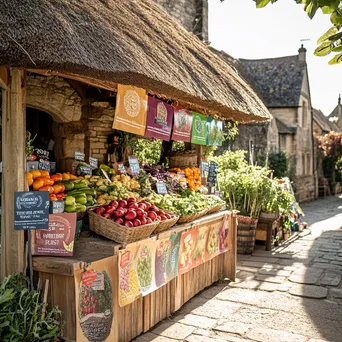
79, 155
93, 162
121, 168
85, 170
161, 188
105, 175
44, 165
134, 165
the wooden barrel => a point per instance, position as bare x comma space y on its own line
246, 231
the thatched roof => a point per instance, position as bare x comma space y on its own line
129, 42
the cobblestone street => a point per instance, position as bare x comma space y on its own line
291, 294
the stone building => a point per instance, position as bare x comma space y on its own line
336, 115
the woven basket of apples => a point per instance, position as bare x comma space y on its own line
126, 221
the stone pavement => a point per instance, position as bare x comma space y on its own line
291, 294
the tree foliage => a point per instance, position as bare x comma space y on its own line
331, 41
331, 144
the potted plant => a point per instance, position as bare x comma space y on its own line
287, 229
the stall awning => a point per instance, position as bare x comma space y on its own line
129, 42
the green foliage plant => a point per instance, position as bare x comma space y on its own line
331, 41
21, 318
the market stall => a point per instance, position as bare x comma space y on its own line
93, 93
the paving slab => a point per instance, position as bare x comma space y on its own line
233, 327
271, 335
308, 291
216, 335
285, 286
195, 321
173, 330
335, 293
197, 338
271, 272
304, 279
216, 309
149, 337
330, 279
259, 264
269, 278
253, 284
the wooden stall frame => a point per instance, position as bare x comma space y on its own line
13, 86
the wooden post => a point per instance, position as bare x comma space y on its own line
13, 168
231, 255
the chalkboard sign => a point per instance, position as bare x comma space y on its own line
83, 170
161, 188
79, 155
121, 168
134, 165
42, 154
212, 175
44, 165
93, 162
204, 168
31, 210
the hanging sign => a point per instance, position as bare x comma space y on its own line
134, 165
159, 119
181, 124
79, 156
161, 188
214, 132
122, 168
93, 162
199, 129
131, 110
31, 210
58, 239
94, 301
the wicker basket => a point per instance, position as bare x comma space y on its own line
202, 213
215, 209
165, 225
117, 232
246, 232
188, 218
184, 159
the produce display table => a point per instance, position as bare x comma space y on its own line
146, 311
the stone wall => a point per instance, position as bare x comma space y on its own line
191, 14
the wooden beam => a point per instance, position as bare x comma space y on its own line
79, 87
4, 78
13, 170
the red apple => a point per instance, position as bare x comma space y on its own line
131, 199
133, 205
153, 207
148, 221
148, 205
140, 212
158, 218
143, 220
123, 203
136, 223
142, 206
152, 215
119, 220
110, 210
131, 215
99, 210
114, 204
163, 217
106, 215
128, 224
119, 212
168, 216
125, 210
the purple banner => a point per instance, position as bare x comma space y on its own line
159, 119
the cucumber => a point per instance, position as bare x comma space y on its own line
87, 191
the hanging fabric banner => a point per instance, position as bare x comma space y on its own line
181, 125
131, 110
199, 129
215, 132
159, 119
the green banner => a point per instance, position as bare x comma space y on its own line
199, 129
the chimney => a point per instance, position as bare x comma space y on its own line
302, 53
339, 99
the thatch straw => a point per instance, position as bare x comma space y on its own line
129, 42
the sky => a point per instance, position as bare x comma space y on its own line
243, 31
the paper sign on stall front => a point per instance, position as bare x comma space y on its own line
131, 110
181, 124
187, 247
159, 119
94, 289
